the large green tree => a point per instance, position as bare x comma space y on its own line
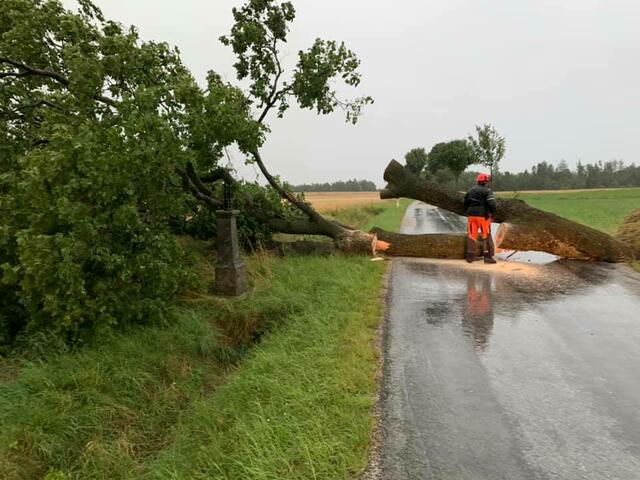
489, 147
455, 156
93, 124
106, 140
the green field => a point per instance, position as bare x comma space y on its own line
197, 398
601, 209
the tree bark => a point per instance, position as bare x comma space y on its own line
523, 227
435, 245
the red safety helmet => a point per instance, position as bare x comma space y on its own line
483, 178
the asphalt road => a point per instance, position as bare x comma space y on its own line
520, 370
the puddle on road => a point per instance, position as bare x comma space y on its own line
536, 258
472, 295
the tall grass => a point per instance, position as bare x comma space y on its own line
299, 407
104, 410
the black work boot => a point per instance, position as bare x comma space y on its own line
471, 250
488, 250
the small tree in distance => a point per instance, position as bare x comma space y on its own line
416, 160
455, 156
489, 147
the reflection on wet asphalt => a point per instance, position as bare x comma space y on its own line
510, 371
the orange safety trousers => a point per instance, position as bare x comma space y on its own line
475, 224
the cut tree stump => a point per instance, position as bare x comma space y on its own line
523, 227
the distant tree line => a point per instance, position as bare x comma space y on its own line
447, 163
545, 176
340, 186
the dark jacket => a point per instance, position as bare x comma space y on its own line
479, 202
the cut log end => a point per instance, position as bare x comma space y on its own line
388, 193
356, 242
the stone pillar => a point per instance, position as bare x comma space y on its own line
231, 272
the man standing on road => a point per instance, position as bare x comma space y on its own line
480, 208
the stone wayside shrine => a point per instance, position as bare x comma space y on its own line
231, 271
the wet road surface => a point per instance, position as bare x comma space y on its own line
518, 370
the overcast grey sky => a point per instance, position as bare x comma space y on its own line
560, 79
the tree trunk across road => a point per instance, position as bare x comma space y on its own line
523, 227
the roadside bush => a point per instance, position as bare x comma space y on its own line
86, 238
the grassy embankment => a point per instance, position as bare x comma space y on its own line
198, 398
601, 209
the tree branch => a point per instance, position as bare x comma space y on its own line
293, 226
14, 74
274, 94
307, 209
195, 179
30, 70
37, 104
209, 200
217, 175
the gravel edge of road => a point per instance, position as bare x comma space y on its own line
373, 471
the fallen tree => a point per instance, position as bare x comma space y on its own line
258, 31
523, 227
309, 222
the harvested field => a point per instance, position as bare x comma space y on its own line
328, 201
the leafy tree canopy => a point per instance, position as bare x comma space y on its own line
93, 122
416, 159
455, 156
489, 146
261, 26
